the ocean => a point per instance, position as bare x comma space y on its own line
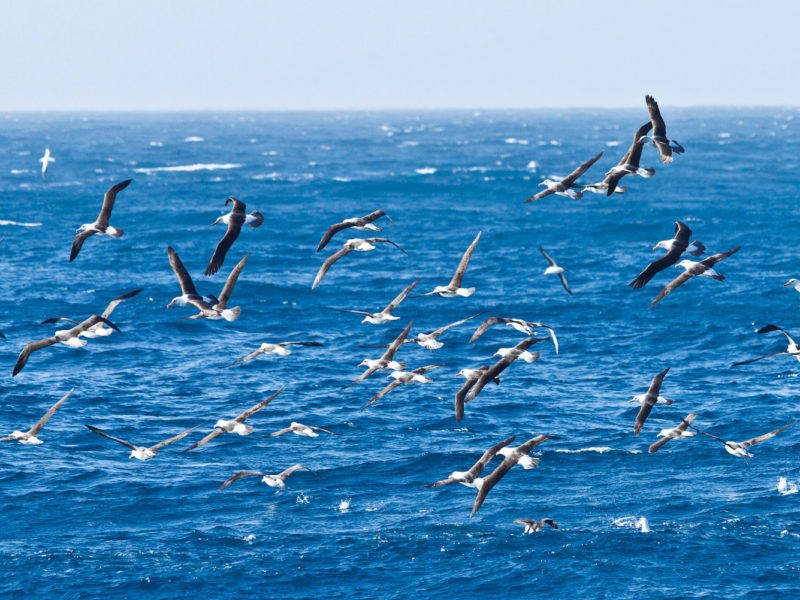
82, 520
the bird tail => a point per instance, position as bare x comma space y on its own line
259, 218
642, 172
117, 232
231, 314
700, 248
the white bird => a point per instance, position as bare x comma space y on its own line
234, 220
554, 269
679, 431
386, 361
46, 160
740, 448
385, 315
628, 165
277, 481
649, 400
300, 429
680, 243
526, 327
281, 349
795, 283
364, 223
792, 349
453, 289
643, 525
354, 245
703, 268
100, 225
143, 452
659, 138
524, 461
29, 437
236, 425
564, 187
98, 329
403, 378
532, 525
469, 477
429, 341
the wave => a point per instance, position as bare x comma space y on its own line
194, 138
19, 171
512, 140
598, 449
425, 171
19, 224
786, 487
186, 168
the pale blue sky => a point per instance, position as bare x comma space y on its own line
199, 54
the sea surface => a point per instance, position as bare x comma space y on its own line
82, 520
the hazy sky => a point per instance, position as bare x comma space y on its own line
199, 54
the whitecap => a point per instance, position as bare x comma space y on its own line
408, 143
532, 165
634, 522
786, 487
613, 143
302, 499
250, 538
344, 505
19, 223
724, 134
425, 171
341, 179
598, 449
155, 144
187, 168
19, 171
193, 138
512, 140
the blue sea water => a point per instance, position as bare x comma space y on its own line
81, 520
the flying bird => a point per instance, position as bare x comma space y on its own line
97, 330
429, 341
29, 437
740, 448
363, 223
300, 429
143, 452
234, 220
236, 425
357, 245
629, 164
648, 401
554, 269
281, 349
511, 459
471, 477
526, 327
403, 378
69, 337
453, 289
385, 315
564, 187
100, 226
674, 247
679, 431
532, 525
271, 480
386, 361
703, 268
46, 160
792, 349
659, 138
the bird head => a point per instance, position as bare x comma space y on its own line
791, 282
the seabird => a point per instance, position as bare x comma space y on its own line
70, 337
143, 452
674, 247
795, 283
511, 459
792, 349
100, 226
453, 289
740, 448
471, 478
648, 401
554, 269
46, 160
532, 525
659, 138
473, 386
210, 307
386, 361
526, 327
403, 378
234, 425
362, 223
564, 187
704, 268
629, 164
601, 187
271, 480
29, 437
281, 349
676, 432
300, 429
524, 461
385, 315
357, 245
234, 220
98, 330
429, 341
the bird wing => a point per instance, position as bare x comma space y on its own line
550, 522
650, 399
462, 265
384, 240
548, 257
425, 369
395, 345
113, 304
478, 467
746, 362
613, 179
494, 371
490, 481
251, 411
539, 195
227, 289
77, 243
173, 439
30, 348
187, 285
766, 436
382, 393
485, 325
57, 319
708, 434
713, 260
300, 344
684, 424
238, 476
570, 179
768, 328
400, 297
635, 152
332, 230
205, 440
285, 473
108, 202
461, 394
682, 233
563, 279
675, 283
664, 439
40, 423
526, 522
89, 323
323, 430
447, 481
659, 127
346, 249
355, 312
111, 437
234, 227
669, 259
250, 356
279, 432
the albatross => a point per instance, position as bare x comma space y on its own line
69, 337
648, 400
511, 459
659, 138
98, 330
100, 226
532, 525
385, 315
300, 429
564, 187
364, 223
679, 431
554, 269
679, 244
429, 341
386, 361
46, 160
526, 327
357, 245
403, 378
792, 349
234, 220
471, 477
236, 425
703, 268
628, 165
453, 289
277, 481
740, 448
281, 349
29, 437
143, 452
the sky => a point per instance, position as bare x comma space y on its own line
377, 54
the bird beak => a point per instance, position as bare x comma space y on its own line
654, 248
787, 283
543, 183
171, 303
